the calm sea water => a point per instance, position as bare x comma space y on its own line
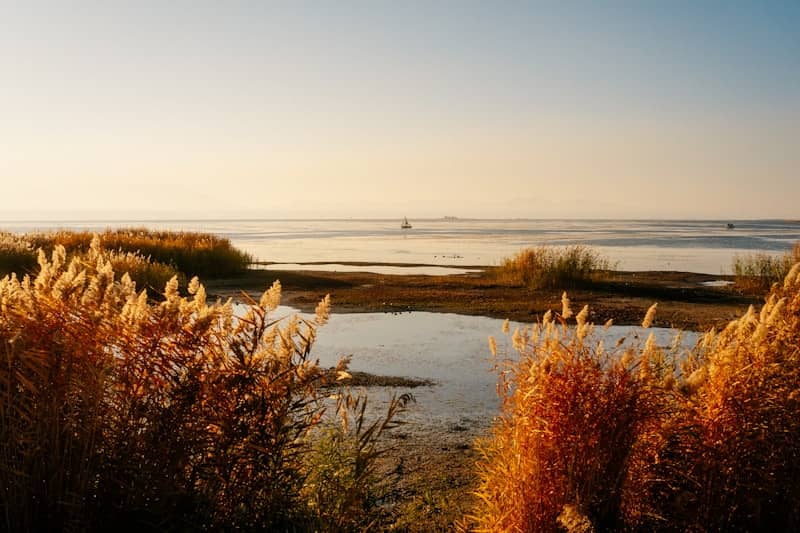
686, 245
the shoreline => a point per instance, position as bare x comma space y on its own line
372, 263
684, 301
438, 463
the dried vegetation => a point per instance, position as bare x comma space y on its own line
120, 412
552, 267
186, 253
647, 438
116, 412
757, 272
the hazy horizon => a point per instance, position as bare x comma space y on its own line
232, 217
680, 110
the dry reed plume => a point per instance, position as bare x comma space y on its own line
741, 423
636, 438
178, 415
572, 413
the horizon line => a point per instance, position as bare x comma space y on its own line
382, 219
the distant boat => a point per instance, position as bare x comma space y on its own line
730, 225
405, 224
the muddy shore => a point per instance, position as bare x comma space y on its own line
685, 302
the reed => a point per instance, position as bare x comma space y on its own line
348, 480
758, 271
571, 420
193, 254
16, 254
552, 267
120, 412
636, 438
742, 419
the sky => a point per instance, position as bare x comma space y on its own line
567, 109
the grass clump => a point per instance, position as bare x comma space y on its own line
18, 255
638, 439
144, 272
118, 412
758, 271
571, 421
742, 422
552, 267
193, 254
346, 486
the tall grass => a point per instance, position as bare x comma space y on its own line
572, 417
638, 439
16, 254
758, 271
346, 483
193, 254
116, 412
743, 422
146, 273
552, 267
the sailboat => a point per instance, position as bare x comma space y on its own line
405, 224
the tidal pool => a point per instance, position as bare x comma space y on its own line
450, 349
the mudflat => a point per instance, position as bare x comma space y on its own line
685, 300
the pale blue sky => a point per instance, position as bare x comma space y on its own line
484, 109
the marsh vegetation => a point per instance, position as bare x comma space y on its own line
757, 272
124, 407
553, 267
117, 411
164, 253
647, 438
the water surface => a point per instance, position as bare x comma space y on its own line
706, 246
450, 349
